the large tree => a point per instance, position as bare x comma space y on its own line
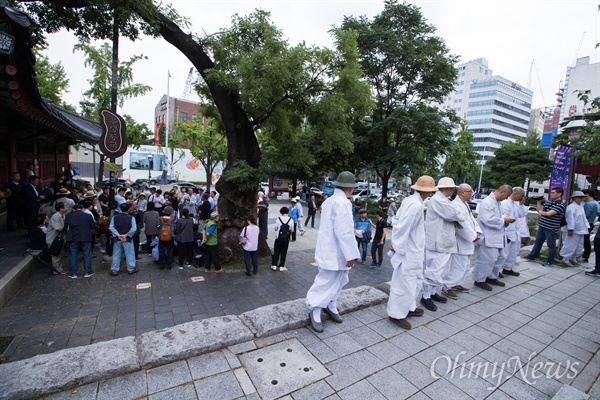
409, 69
241, 119
51, 79
461, 160
516, 162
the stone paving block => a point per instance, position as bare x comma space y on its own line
350, 323
511, 348
47, 373
191, 339
475, 387
208, 364
419, 396
456, 321
317, 390
244, 381
84, 392
391, 384
366, 316
243, 347
448, 389
435, 361
577, 341
323, 352
415, 372
527, 342
443, 328
546, 385
366, 336
408, 343
360, 391
567, 392
385, 328
305, 335
471, 345
360, 297
128, 386
232, 359
168, 376
183, 392
388, 352
522, 391
343, 344
536, 334
365, 362
342, 375
426, 335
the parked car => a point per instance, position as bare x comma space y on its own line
316, 192
120, 182
171, 179
188, 185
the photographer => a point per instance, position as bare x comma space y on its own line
551, 213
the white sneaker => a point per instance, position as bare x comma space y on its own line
302, 233
568, 263
273, 267
283, 269
181, 267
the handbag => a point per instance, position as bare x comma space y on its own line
57, 244
244, 239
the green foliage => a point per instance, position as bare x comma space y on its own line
587, 139
51, 78
515, 162
242, 175
206, 142
461, 161
99, 93
408, 67
138, 134
298, 98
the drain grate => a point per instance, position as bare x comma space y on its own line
282, 368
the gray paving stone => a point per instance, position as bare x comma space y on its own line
415, 372
343, 375
350, 323
364, 362
426, 335
470, 384
471, 345
391, 384
366, 316
448, 389
323, 352
536, 334
243, 347
244, 381
440, 363
232, 359
457, 321
168, 376
577, 341
84, 392
343, 344
360, 297
527, 342
408, 343
511, 348
546, 385
128, 386
366, 336
388, 352
70, 367
419, 396
183, 392
360, 391
522, 391
191, 339
385, 328
567, 392
266, 341
318, 390
208, 364
225, 384
443, 328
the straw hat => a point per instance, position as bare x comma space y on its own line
425, 183
446, 183
578, 193
63, 192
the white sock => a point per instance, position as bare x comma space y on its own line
316, 314
333, 307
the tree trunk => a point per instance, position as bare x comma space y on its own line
234, 204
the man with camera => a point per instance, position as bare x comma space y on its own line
551, 213
513, 207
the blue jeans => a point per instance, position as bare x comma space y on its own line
364, 246
548, 236
86, 247
251, 256
120, 248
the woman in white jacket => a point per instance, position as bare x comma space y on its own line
576, 228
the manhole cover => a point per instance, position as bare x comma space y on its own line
282, 368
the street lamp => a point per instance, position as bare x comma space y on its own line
480, 175
149, 161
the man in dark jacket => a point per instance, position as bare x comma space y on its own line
137, 216
79, 234
14, 206
31, 201
123, 228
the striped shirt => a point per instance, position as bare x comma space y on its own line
552, 222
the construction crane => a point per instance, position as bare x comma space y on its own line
187, 89
578, 48
531, 68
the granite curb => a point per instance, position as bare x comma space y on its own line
68, 368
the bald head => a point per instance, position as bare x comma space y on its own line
464, 192
503, 192
517, 193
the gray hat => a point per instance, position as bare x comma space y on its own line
578, 193
214, 214
168, 210
346, 179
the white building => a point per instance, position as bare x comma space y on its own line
496, 109
583, 77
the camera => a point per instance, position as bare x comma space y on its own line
537, 197
86, 152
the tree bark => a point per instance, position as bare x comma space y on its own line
234, 204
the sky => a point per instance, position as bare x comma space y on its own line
509, 34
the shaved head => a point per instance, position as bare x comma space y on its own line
464, 192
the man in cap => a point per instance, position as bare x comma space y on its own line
408, 247
123, 227
490, 256
514, 207
294, 214
209, 243
440, 241
335, 252
466, 238
575, 229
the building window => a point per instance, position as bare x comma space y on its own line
183, 116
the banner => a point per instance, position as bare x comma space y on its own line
561, 168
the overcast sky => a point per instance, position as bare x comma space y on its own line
509, 33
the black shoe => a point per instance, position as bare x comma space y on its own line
417, 313
402, 323
248, 273
428, 304
591, 273
334, 317
317, 326
510, 272
438, 298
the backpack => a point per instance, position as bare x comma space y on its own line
284, 230
165, 234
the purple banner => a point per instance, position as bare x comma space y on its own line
559, 177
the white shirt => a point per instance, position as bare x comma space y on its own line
440, 230
470, 228
286, 220
576, 219
335, 242
491, 222
408, 235
511, 208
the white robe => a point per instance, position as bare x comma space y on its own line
572, 246
408, 241
490, 256
335, 246
511, 208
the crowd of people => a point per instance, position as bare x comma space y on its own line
434, 237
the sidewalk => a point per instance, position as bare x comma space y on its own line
524, 341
